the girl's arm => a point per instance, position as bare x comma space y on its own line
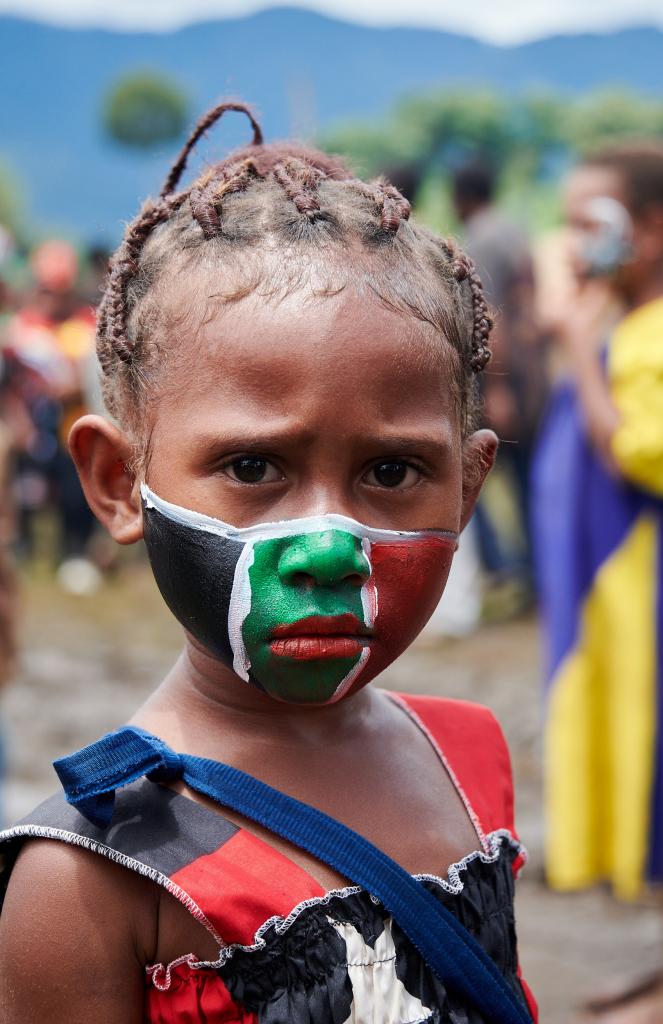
73, 937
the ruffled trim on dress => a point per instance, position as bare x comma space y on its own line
453, 884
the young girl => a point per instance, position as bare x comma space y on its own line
285, 358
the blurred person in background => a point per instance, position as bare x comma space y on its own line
48, 344
598, 526
514, 386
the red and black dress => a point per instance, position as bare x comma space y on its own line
289, 952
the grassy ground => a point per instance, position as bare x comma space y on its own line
89, 661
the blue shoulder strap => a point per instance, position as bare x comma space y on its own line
91, 776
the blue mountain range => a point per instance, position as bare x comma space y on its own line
302, 71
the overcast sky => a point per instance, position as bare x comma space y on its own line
497, 20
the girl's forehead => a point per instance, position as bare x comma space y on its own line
351, 333
324, 360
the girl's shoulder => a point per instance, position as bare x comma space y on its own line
471, 743
155, 832
73, 932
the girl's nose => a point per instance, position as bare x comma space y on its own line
325, 559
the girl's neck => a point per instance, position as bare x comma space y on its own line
201, 699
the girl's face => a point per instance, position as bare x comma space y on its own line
289, 412
312, 406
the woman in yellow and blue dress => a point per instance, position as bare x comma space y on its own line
598, 524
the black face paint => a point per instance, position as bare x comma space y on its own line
194, 571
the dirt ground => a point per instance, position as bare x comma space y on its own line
89, 661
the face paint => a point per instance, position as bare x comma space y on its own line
305, 609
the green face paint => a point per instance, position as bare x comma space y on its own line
299, 580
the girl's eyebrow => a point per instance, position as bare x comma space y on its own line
249, 440
417, 439
241, 440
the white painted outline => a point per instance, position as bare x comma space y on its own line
347, 682
240, 606
286, 527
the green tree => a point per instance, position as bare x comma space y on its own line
12, 202
144, 109
532, 139
604, 117
450, 126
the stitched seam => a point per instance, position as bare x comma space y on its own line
371, 963
454, 883
85, 787
155, 971
73, 839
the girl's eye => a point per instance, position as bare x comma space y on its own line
393, 474
251, 469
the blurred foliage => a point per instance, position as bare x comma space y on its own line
12, 206
532, 140
144, 109
606, 117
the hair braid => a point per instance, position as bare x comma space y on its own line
465, 273
391, 205
204, 124
113, 339
204, 210
394, 206
483, 324
205, 198
299, 181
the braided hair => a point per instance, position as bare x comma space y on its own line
263, 217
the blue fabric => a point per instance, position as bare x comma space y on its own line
91, 776
580, 515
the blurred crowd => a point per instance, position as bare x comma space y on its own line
47, 379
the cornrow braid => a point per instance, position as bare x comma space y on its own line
112, 334
465, 271
278, 198
299, 182
204, 124
205, 201
394, 207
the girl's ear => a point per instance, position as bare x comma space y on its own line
479, 451
102, 453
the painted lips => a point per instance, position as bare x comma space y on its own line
320, 636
